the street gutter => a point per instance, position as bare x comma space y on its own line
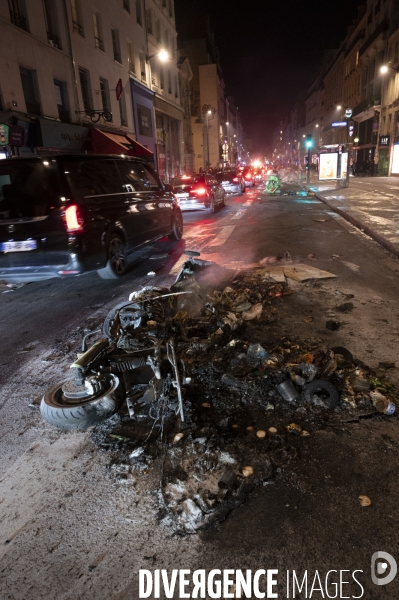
357, 223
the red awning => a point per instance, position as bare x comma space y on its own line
112, 143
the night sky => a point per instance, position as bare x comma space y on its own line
270, 51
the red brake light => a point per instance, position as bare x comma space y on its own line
235, 179
201, 191
248, 176
73, 219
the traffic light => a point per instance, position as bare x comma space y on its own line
309, 141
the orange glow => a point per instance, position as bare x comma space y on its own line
186, 177
248, 176
200, 191
235, 179
72, 218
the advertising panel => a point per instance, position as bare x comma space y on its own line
328, 166
3, 134
344, 165
395, 159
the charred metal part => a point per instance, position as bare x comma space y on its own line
323, 387
170, 348
122, 365
227, 480
91, 354
73, 391
89, 334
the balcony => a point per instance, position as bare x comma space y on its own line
99, 43
381, 29
33, 108
369, 106
53, 40
77, 27
63, 115
18, 20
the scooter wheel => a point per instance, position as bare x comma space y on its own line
65, 413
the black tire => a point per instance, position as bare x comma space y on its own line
223, 202
57, 411
177, 232
212, 206
116, 261
321, 385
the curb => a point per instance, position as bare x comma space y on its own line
359, 225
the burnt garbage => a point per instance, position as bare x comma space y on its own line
216, 400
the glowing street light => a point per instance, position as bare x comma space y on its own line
163, 55
384, 69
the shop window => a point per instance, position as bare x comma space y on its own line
77, 21
144, 119
61, 97
52, 23
30, 89
84, 79
18, 14
116, 46
98, 31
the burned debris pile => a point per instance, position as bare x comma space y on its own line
217, 400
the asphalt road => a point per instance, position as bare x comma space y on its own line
68, 530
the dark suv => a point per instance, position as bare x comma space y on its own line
69, 214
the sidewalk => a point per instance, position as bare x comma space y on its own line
369, 203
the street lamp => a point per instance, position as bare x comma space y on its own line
162, 55
384, 69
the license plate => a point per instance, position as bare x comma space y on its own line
225, 182
23, 246
185, 195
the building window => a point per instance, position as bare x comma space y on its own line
29, 86
144, 119
142, 67
169, 82
77, 22
51, 22
61, 98
18, 14
126, 5
176, 87
158, 31
139, 13
115, 45
132, 64
162, 78
98, 32
104, 92
170, 8
122, 110
149, 20
84, 79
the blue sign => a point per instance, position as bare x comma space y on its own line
339, 124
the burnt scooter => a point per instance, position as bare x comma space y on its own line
136, 335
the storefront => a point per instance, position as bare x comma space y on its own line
104, 142
168, 119
395, 159
55, 137
143, 115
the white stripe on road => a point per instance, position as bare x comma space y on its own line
249, 201
222, 236
239, 214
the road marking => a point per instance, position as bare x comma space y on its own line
222, 236
249, 201
239, 214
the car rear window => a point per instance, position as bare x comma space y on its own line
27, 189
176, 181
93, 177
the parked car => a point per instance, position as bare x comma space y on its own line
198, 191
69, 214
232, 181
248, 177
257, 172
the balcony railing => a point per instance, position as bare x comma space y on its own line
77, 27
117, 57
64, 115
53, 39
18, 20
132, 68
99, 44
33, 108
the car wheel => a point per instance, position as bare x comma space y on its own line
117, 262
223, 202
212, 207
177, 231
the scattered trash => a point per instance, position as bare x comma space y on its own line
305, 433
308, 319
323, 393
256, 351
253, 313
247, 471
261, 434
272, 430
294, 428
228, 480
333, 325
346, 307
151, 274
312, 256
178, 437
335, 256
382, 404
364, 501
288, 391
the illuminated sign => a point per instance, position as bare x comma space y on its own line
384, 140
339, 124
328, 166
395, 160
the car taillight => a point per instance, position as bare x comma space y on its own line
248, 176
73, 219
200, 191
235, 179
